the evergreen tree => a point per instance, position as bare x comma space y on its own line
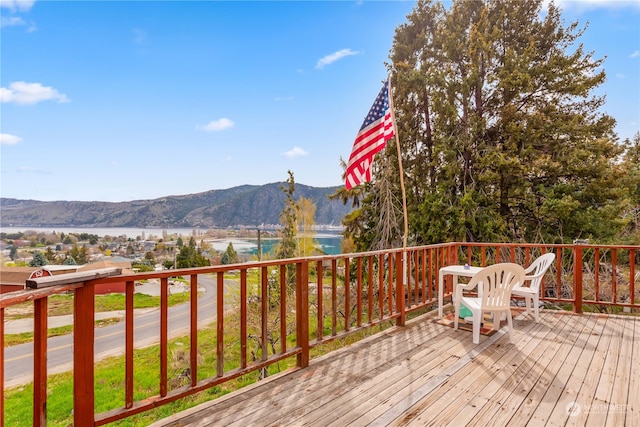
502, 136
189, 257
51, 256
230, 256
288, 247
79, 254
38, 259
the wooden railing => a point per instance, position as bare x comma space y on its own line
278, 310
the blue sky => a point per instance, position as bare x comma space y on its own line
126, 100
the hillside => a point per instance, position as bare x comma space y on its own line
247, 205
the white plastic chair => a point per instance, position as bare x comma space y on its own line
534, 274
495, 284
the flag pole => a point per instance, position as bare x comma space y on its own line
404, 195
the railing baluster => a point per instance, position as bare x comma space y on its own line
359, 294
370, 298
243, 316
347, 294
128, 344
319, 291
596, 270
193, 328
302, 313
220, 322
400, 288
334, 296
164, 334
381, 293
632, 275
614, 275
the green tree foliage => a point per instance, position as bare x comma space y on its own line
630, 167
38, 259
230, 256
69, 261
51, 256
190, 257
79, 254
288, 247
502, 138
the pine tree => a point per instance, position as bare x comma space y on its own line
502, 136
38, 259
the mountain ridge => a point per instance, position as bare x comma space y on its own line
240, 206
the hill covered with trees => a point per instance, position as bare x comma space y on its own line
247, 205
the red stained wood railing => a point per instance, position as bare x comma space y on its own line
365, 289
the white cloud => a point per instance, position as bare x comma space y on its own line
8, 139
283, 98
29, 169
331, 58
15, 5
11, 21
24, 93
295, 152
217, 125
582, 5
635, 54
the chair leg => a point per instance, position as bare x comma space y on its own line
510, 323
527, 302
536, 308
456, 306
477, 321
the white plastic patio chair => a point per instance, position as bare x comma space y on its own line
534, 274
495, 284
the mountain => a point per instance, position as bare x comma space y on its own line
246, 205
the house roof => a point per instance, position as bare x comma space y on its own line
124, 265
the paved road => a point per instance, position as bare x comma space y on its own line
109, 340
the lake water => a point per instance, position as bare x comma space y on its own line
329, 242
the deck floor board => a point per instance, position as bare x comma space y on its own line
566, 370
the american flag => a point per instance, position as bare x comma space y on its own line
374, 133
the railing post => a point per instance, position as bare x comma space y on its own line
302, 313
40, 317
2, 365
83, 356
577, 278
400, 288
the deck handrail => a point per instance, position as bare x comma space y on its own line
319, 299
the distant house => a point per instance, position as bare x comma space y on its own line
110, 262
15, 278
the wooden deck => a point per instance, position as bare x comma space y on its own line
566, 370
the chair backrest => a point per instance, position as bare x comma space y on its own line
535, 272
497, 282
